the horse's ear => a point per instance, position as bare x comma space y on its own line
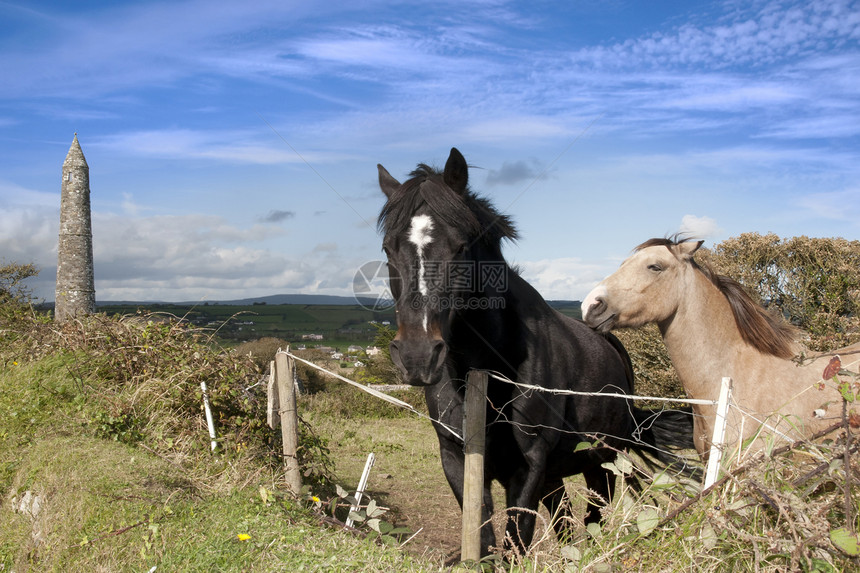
687, 248
456, 175
387, 183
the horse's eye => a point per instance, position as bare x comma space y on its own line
655, 267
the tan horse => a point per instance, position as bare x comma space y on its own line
712, 329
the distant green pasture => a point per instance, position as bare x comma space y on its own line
340, 325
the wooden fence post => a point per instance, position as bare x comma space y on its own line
719, 437
474, 435
289, 419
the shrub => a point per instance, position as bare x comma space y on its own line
23, 330
813, 282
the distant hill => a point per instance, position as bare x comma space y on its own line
560, 304
295, 299
316, 299
320, 299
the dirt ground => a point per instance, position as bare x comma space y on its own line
407, 477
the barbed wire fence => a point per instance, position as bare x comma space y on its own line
719, 448
723, 405
500, 408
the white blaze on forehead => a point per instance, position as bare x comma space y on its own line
419, 235
591, 299
419, 232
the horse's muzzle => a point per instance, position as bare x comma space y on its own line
595, 310
419, 361
598, 316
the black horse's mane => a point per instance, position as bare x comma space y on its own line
471, 214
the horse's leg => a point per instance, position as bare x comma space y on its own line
522, 500
601, 482
556, 502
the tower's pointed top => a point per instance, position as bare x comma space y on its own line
76, 154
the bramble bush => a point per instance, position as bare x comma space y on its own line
813, 282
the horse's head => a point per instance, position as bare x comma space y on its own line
435, 231
646, 288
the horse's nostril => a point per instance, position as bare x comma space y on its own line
438, 355
394, 350
595, 308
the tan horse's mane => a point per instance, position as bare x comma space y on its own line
759, 328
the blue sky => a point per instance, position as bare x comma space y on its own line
233, 146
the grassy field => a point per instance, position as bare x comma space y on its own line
340, 325
105, 463
105, 466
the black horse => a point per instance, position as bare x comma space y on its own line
460, 307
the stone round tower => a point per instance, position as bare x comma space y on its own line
76, 292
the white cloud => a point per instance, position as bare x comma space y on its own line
565, 278
189, 257
29, 234
699, 227
763, 34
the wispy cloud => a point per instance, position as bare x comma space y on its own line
841, 205
763, 35
258, 147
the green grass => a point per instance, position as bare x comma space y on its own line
123, 473
109, 506
101, 420
341, 325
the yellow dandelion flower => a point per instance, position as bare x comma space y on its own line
243, 537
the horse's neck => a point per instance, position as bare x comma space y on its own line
494, 331
705, 345
704, 342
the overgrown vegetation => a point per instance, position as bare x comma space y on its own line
105, 462
814, 283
